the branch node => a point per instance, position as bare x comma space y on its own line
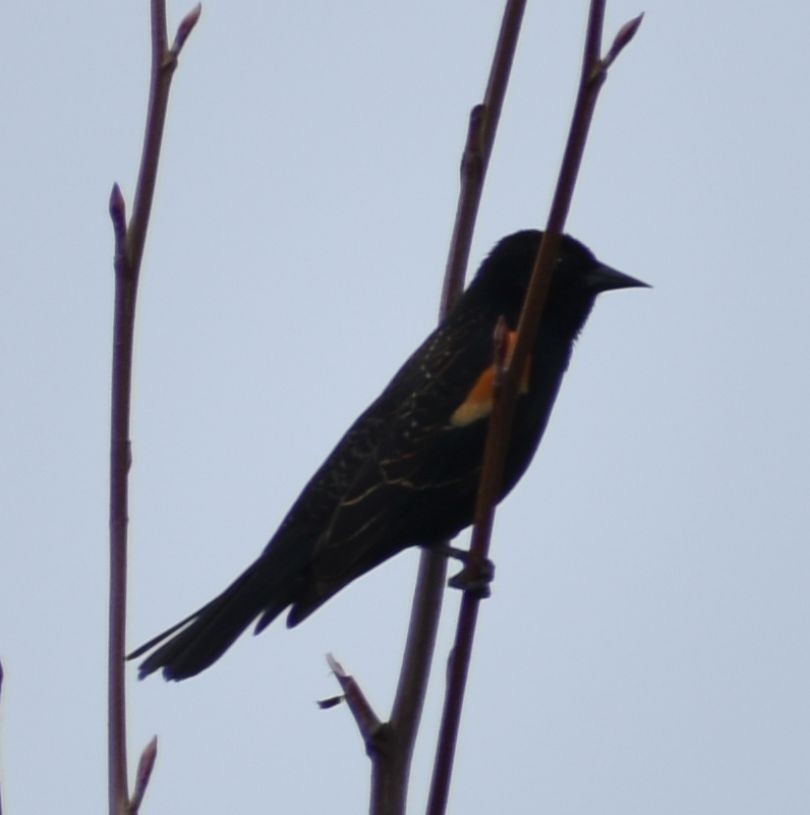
168, 61
380, 743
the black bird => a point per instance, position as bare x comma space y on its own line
406, 472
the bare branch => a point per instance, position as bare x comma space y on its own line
505, 399
390, 776
483, 126
129, 246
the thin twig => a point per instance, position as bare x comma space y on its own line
129, 246
146, 764
390, 770
368, 723
593, 74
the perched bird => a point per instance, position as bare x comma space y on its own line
406, 472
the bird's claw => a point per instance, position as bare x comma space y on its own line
477, 574
475, 578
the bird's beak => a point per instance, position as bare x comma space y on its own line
604, 278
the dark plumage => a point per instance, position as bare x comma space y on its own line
406, 472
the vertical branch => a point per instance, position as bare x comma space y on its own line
391, 767
483, 126
594, 72
119, 468
129, 245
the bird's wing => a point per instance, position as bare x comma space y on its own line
419, 472
427, 386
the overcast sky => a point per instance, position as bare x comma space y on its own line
646, 647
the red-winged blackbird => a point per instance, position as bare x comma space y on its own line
406, 472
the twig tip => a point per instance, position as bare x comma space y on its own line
149, 754
335, 667
118, 206
186, 27
118, 216
146, 764
623, 37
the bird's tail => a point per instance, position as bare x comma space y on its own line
201, 639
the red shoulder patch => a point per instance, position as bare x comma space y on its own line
478, 402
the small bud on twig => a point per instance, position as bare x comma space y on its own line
621, 40
185, 28
145, 766
118, 214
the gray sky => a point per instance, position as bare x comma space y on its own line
646, 646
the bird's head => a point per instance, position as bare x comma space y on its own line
578, 276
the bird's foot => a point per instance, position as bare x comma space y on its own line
476, 576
